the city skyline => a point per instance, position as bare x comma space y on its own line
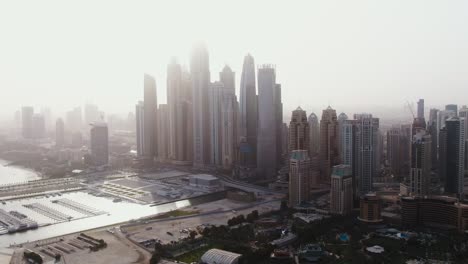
401, 71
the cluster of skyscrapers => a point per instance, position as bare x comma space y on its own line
204, 124
341, 152
433, 151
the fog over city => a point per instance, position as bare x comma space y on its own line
354, 55
233, 132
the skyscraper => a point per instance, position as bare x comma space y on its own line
341, 118
419, 122
443, 115
299, 131
299, 177
214, 101
420, 109
99, 139
279, 125
345, 128
432, 129
329, 155
365, 165
420, 163
38, 126
267, 163
442, 153
406, 139
200, 74
59, 133
229, 118
463, 113
248, 112
454, 183
179, 104
163, 132
140, 128
27, 113
341, 194
452, 107
74, 120
314, 138
394, 151
150, 117
91, 113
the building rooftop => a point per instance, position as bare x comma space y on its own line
299, 155
342, 170
218, 256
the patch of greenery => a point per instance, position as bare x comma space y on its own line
176, 213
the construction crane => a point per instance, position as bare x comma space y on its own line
410, 107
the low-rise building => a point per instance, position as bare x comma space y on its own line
370, 208
434, 211
218, 256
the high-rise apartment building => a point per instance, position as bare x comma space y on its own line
432, 129
420, 163
341, 118
299, 177
452, 107
454, 182
442, 154
248, 114
341, 194
200, 75
314, 138
214, 101
163, 128
91, 114
463, 113
329, 154
27, 113
420, 113
99, 143
365, 165
267, 149
229, 118
140, 128
180, 113
299, 131
59, 133
279, 125
74, 120
38, 126
346, 132
394, 151
150, 117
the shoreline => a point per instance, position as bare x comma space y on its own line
15, 164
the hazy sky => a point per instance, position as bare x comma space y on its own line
351, 54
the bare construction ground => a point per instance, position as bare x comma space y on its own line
214, 213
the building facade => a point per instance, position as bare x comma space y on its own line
299, 177
420, 174
150, 118
455, 161
365, 164
329, 154
267, 149
99, 143
299, 131
341, 195
314, 138
248, 113
200, 76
